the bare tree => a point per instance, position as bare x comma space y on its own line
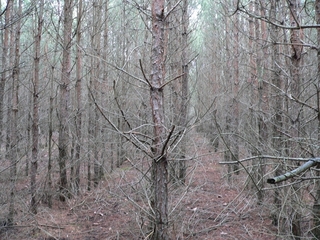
4, 71
64, 97
159, 162
35, 108
75, 168
185, 96
13, 138
316, 205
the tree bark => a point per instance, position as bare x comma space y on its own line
13, 115
78, 114
294, 110
276, 104
64, 98
184, 88
35, 110
160, 163
316, 205
5, 47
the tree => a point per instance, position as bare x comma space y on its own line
35, 109
159, 202
316, 205
75, 169
4, 71
12, 136
185, 96
64, 98
291, 99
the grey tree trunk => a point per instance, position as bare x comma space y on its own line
35, 110
64, 98
276, 104
316, 205
13, 143
5, 57
75, 184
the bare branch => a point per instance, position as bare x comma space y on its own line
148, 153
172, 9
228, 149
265, 156
119, 107
311, 163
112, 65
143, 73
164, 148
166, 83
276, 24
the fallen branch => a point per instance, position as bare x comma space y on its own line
311, 163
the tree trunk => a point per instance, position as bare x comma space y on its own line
316, 205
35, 111
78, 114
64, 98
14, 115
5, 47
294, 110
160, 163
184, 89
235, 87
261, 33
277, 106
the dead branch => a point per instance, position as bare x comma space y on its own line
311, 163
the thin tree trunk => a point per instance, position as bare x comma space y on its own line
160, 162
97, 48
184, 88
52, 96
104, 101
263, 92
49, 167
277, 106
64, 98
35, 110
14, 116
78, 114
294, 110
316, 205
4, 73
235, 101
227, 67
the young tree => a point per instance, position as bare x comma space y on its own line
4, 70
64, 97
75, 169
316, 205
35, 108
185, 97
12, 135
159, 202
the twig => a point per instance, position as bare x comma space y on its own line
265, 156
118, 105
144, 75
115, 127
264, 19
171, 10
166, 83
233, 156
167, 140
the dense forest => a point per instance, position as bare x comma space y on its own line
127, 116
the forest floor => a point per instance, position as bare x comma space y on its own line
207, 208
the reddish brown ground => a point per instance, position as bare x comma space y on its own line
207, 208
